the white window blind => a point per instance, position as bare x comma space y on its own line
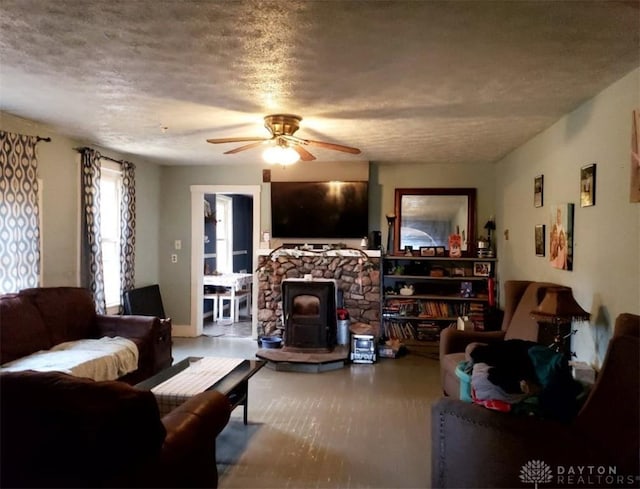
110, 197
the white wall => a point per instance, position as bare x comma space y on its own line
606, 272
58, 167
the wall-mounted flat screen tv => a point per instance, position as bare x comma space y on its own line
319, 209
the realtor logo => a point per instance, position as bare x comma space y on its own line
536, 472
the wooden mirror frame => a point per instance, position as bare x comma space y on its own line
470, 193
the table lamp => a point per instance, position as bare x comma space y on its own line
490, 226
391, 220
559, 307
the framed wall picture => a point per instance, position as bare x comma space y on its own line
561, 237
634, 189
538, 191
440, 250
481, 269
588, 185
539, 239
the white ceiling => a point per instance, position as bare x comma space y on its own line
404, 81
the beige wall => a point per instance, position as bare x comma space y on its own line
58, 168
606, 274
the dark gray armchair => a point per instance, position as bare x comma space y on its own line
476, 447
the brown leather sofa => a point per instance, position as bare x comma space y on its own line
521, 297
476, 447
65, 431
40, 318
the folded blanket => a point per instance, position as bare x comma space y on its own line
102, 359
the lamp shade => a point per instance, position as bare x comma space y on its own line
490, 225
558, 303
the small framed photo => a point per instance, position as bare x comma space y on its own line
440, 250
408, 250
458, 272
538, 191
588, 185
427, 251
539, 239
466, 289
481, 269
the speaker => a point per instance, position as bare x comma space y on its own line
375, 240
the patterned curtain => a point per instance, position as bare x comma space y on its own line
19, 213
93, 275
128, 227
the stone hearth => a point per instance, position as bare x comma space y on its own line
287, 361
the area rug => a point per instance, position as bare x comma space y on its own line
233, 441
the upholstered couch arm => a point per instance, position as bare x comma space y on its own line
476, 447
453, 340
152, 336
126, 326
189, 449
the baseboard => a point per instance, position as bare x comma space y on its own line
182, 330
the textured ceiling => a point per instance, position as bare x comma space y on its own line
406, 82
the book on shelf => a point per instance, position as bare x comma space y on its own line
428, 331
476, 315
399, 330
446, 309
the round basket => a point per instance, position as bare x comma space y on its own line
271, 342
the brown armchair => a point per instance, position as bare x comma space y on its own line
521, 297
476, 447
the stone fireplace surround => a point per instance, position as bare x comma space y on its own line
356, 274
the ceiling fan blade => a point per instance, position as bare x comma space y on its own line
304, 154
235, 140
323, 144
246, 146
336, 147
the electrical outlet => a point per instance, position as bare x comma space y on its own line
177, 244
174, 258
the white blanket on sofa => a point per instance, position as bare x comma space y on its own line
103, 359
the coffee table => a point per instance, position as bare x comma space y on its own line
234, 385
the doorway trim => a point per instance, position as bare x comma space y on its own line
197, 249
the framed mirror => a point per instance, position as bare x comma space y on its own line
425, 217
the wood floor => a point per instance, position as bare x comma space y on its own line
363, 426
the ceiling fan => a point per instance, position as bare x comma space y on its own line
282, 127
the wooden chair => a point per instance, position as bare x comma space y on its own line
215, 298
234, 298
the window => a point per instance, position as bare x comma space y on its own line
110, 198
224, 234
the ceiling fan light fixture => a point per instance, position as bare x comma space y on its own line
286, 148
281, 155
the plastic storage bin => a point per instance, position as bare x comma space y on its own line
465, 382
